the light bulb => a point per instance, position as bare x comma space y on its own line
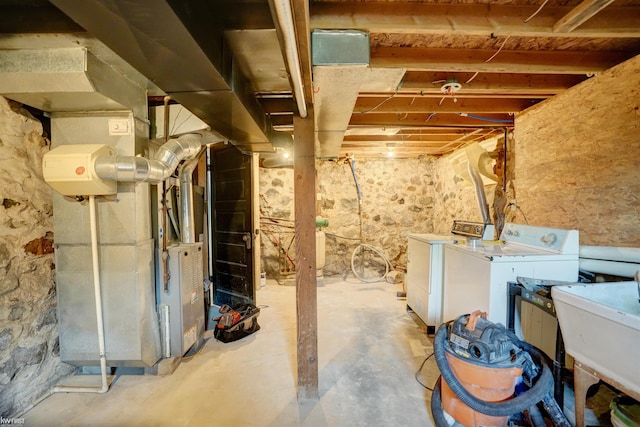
285, 155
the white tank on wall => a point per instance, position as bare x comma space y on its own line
320, 249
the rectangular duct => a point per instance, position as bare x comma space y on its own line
179, 46
339, 47
67, 79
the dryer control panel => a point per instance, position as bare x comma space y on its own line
553, 239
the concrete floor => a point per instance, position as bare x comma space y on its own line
369, 351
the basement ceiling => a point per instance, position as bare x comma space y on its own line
448, 73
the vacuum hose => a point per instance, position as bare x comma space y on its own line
539, 392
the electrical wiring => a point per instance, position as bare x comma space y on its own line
420, 369
490, 58
486, 119
536, 12
342, 237
375, 107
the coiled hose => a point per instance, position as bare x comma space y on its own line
542, 390
362, 247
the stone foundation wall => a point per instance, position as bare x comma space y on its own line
29, 361
399, 197
575, 159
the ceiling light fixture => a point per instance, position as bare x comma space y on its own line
450, 88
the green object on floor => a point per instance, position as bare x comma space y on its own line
625, 412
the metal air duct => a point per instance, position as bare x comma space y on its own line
180, 47
167, 159
67, 79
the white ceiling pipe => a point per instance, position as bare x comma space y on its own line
285, 20
623, 269
611, 253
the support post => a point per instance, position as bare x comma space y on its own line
304, 170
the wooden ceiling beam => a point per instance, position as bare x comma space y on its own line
469, 19
405, 139
579, 15
398, 154
491, 83
435, 120
443, 103
474, 60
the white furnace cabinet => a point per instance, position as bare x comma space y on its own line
425, 277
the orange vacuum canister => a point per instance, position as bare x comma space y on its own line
486, 364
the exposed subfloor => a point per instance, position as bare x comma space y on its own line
369, 349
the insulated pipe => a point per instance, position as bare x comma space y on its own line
166, 160
99, 319
285, 20
480, 195
187, 220
624, 269
610, 253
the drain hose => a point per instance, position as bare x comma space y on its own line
364, 247
497, 409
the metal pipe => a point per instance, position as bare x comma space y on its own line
504, 162
166, 117
163, 203
210, 229
187, 220
99, 318
480, 195
285, 20
166, 160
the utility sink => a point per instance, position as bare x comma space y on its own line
600, 325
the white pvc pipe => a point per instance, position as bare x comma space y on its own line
285, 18
166, 330
99, 319
623, 269
611, 253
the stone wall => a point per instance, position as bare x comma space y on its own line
575, 159
29, 362
399, 196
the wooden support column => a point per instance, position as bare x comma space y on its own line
304, 170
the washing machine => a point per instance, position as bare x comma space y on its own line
476, 273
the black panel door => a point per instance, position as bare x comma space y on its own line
231, 226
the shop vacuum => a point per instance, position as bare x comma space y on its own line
490, 378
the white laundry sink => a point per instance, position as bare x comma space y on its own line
600, 325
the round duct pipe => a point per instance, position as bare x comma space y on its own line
158, 169
277, 162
